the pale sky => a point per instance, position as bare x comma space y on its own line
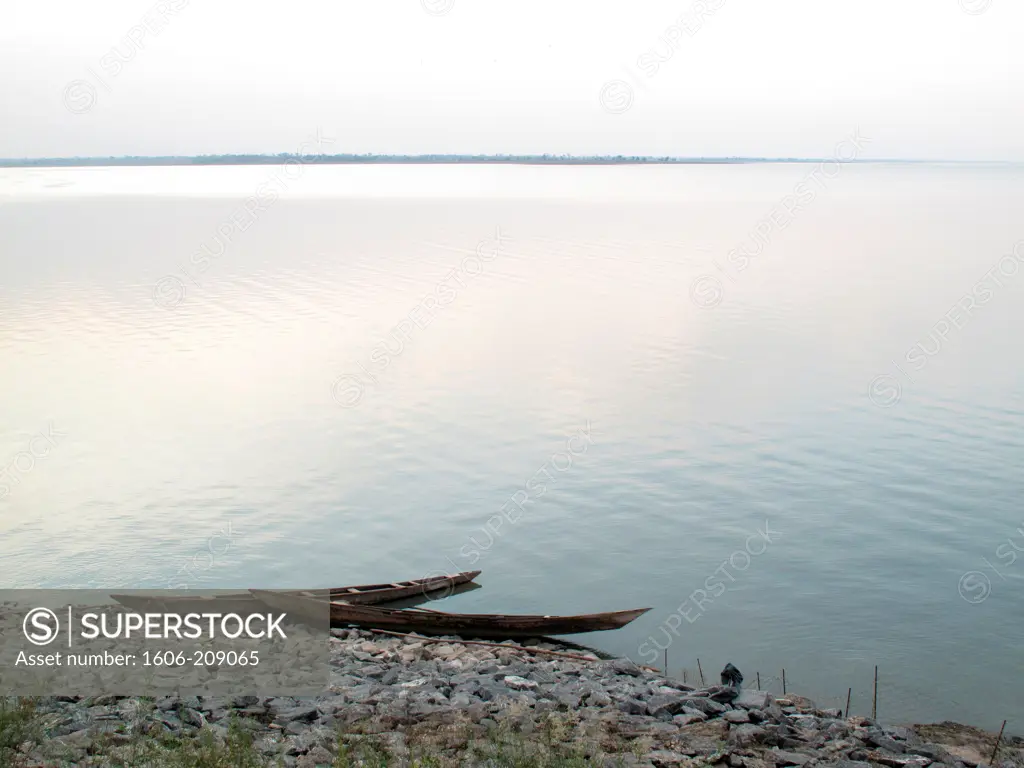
939, 79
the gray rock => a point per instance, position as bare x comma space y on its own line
219, 713
598, 699
67, 728
312, 736
277, 703
633, 707
295, 728
78, 740
695, 713
316, 757
543, 706
877, 738
421, 709
684, 719
664, 704
666, 757
329, 705
210, 703
419, 682
567, 699
346, 681
469, 688
899, 761
849, 764
934, 751
517, 683
737, 716
663, 727
192, 717
837, 730
752, 700
790, 758
707, 706
791, 742
903, 734
746, 735
106, 699
171, 723
625, 760
491, 692
167, 703
372, 671
268, 745
360, 693
569, 687
725, 695
806, 722
678, 685
304, 714
625, 667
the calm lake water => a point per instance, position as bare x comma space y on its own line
782, 405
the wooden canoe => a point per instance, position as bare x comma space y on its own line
244, 602
426, 622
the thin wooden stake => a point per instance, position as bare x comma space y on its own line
996, 748
684, 674
701, 672
666, 661
848, 692
759, 681
783, 682
874, 697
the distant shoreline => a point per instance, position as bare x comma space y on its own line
81, 162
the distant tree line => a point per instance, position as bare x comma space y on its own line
371, 158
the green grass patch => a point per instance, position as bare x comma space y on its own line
17, 725
559, 740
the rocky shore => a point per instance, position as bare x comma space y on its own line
408, 701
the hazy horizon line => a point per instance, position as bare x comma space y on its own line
237, 158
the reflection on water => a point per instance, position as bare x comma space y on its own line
146, 442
